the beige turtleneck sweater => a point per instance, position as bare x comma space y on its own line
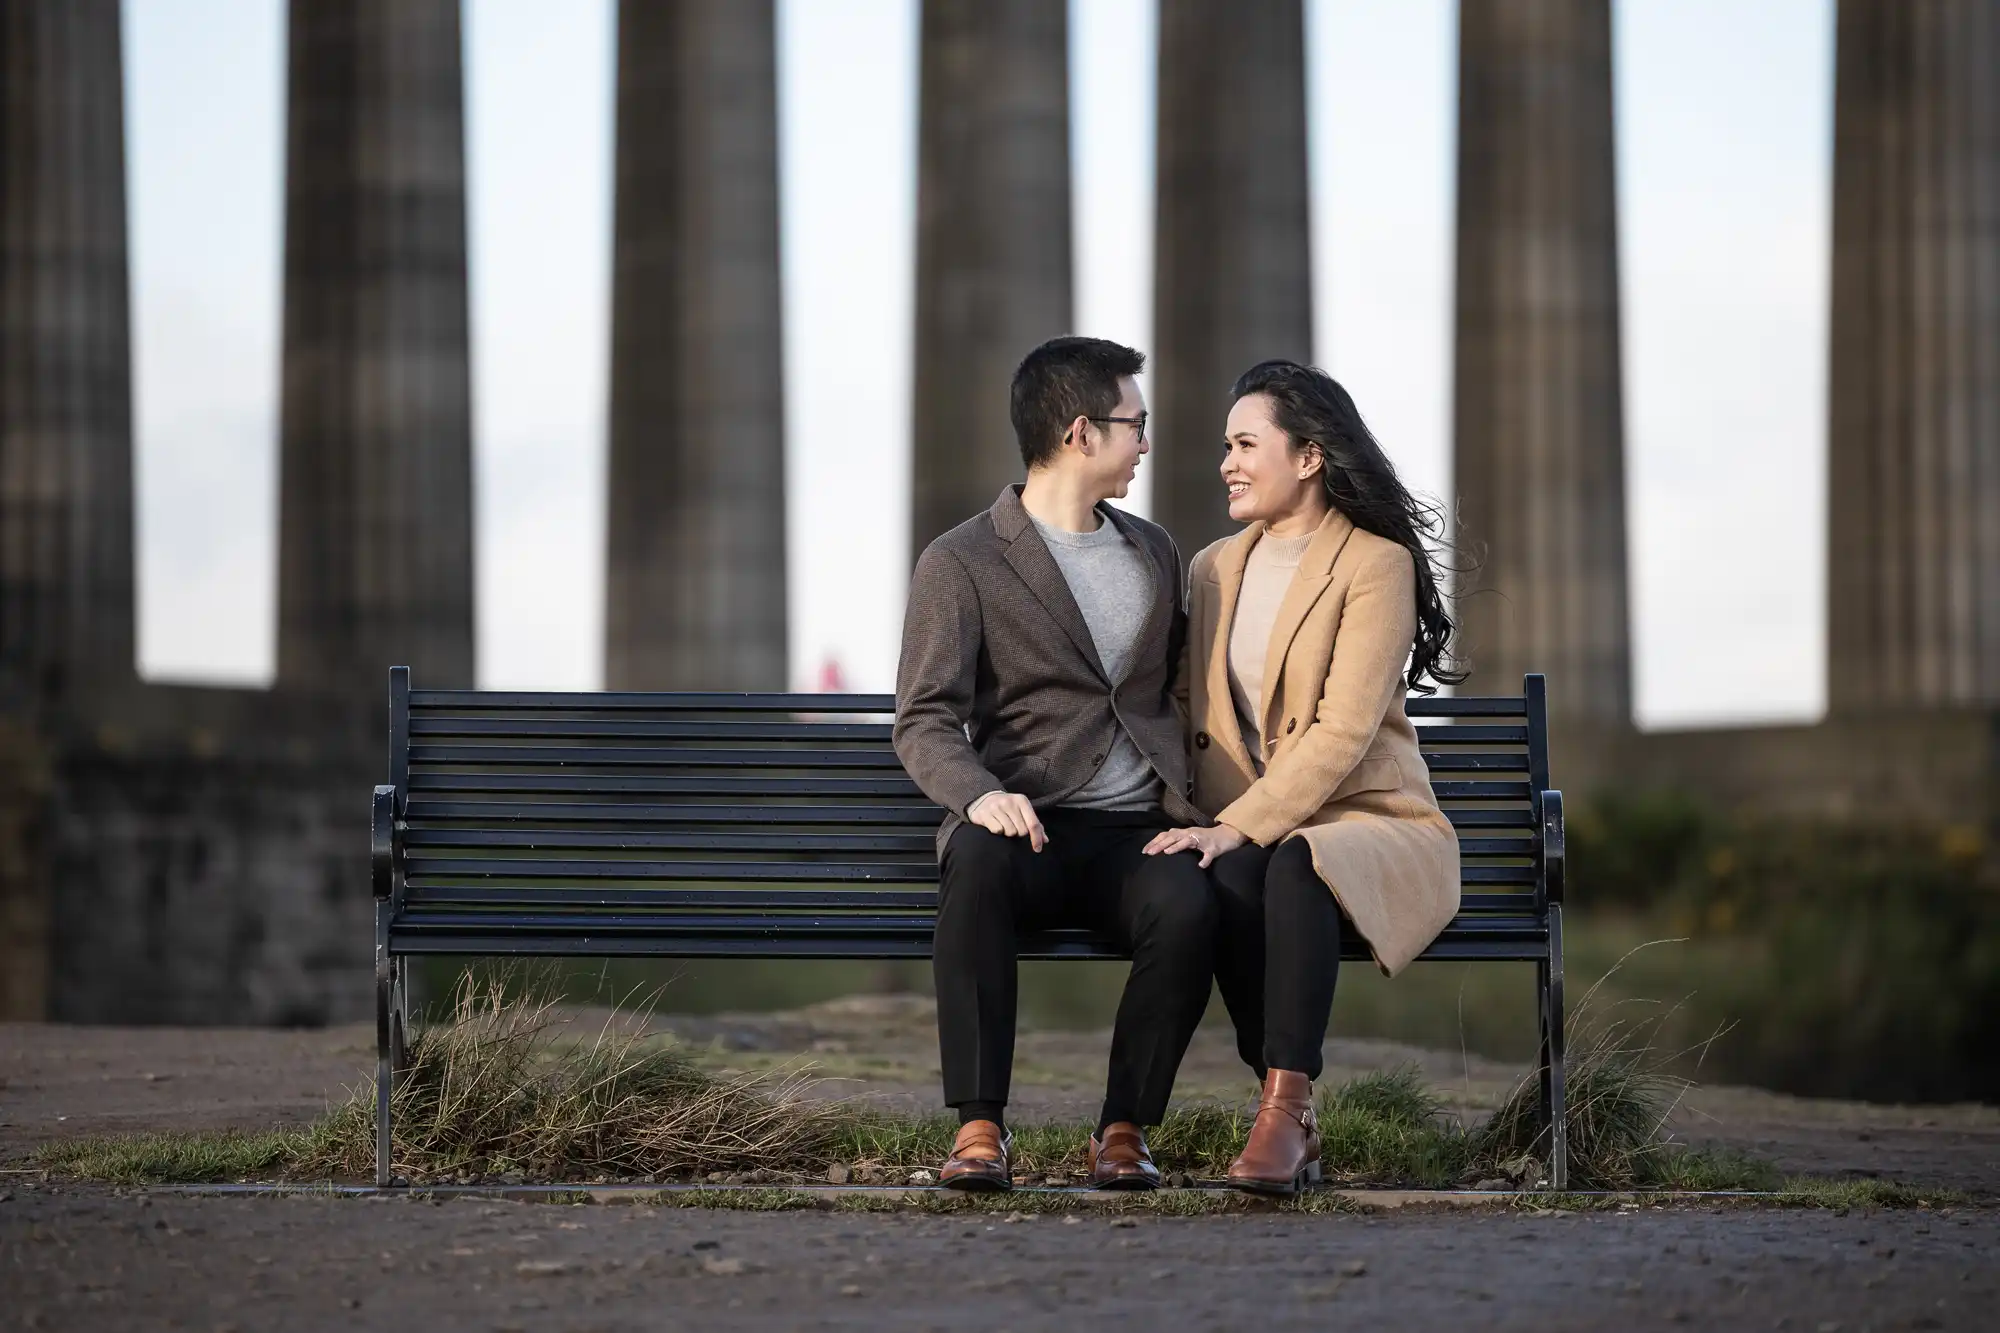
1266, 576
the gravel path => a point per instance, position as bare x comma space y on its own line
99, 1261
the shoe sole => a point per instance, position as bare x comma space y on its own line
978, 1185
1125, 1183
1308, 1175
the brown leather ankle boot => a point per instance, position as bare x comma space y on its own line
1282, 1155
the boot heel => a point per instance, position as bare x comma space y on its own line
1311, 1174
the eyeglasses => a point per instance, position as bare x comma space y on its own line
1139, 421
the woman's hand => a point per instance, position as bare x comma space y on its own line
1210, 842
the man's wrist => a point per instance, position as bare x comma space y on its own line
981, 799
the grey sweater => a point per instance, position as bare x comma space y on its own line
1113, 587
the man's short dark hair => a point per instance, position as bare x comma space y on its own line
1063, 379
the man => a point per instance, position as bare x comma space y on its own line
1033, 702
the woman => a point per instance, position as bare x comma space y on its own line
1303, 630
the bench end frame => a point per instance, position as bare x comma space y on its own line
391, 974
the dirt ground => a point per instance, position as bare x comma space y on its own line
91, 1260
65, 1082
96, 1258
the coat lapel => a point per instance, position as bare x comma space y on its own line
1229, 562
1029, 555
1315, 572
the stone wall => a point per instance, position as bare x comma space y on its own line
191, 856
24, 887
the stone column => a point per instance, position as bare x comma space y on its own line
1914, 414
696, 573
375, 513
66, 573
1538, 426
1232, 255
993, 239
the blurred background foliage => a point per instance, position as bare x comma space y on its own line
1811, 956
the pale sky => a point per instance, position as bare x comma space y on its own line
1724, 164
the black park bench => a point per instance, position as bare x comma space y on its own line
782, 826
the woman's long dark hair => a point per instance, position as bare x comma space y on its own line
1310, 406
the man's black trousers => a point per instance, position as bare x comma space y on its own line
1092, 874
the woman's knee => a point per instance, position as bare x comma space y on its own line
1293, 889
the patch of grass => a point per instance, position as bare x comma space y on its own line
743, 1200
498, 1089
1388, 1128
1619, 1092
1818, 1192
1682, 1168
189, 1158
501, 1089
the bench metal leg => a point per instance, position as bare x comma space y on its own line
385, 1022
1549, 982
399, 1015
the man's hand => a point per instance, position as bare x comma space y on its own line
1210, 842
1011, 815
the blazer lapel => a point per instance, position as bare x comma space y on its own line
1029, 555
1223, 727
1315, 572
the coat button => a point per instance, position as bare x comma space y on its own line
1291, 726
1201, 740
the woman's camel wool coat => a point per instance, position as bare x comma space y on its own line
1341, 764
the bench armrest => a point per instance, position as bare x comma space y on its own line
1555, 862
382, 842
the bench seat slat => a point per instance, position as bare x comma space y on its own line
580, 898
1440, 705
1518, 817
913, 871
628, 700
919, 869
427, 841
554, 812
427, 808
421, 841
1475, 761
912, 925
1479, 789
1466, 790
1033, 949
1471, 733
432, 727
616, 756
606, 783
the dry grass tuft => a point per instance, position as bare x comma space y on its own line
502, 1087
1620, 1091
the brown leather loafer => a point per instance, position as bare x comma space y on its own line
1282, 1156
981, 1159
1121, 1161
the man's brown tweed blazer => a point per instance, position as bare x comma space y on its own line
1000, 686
